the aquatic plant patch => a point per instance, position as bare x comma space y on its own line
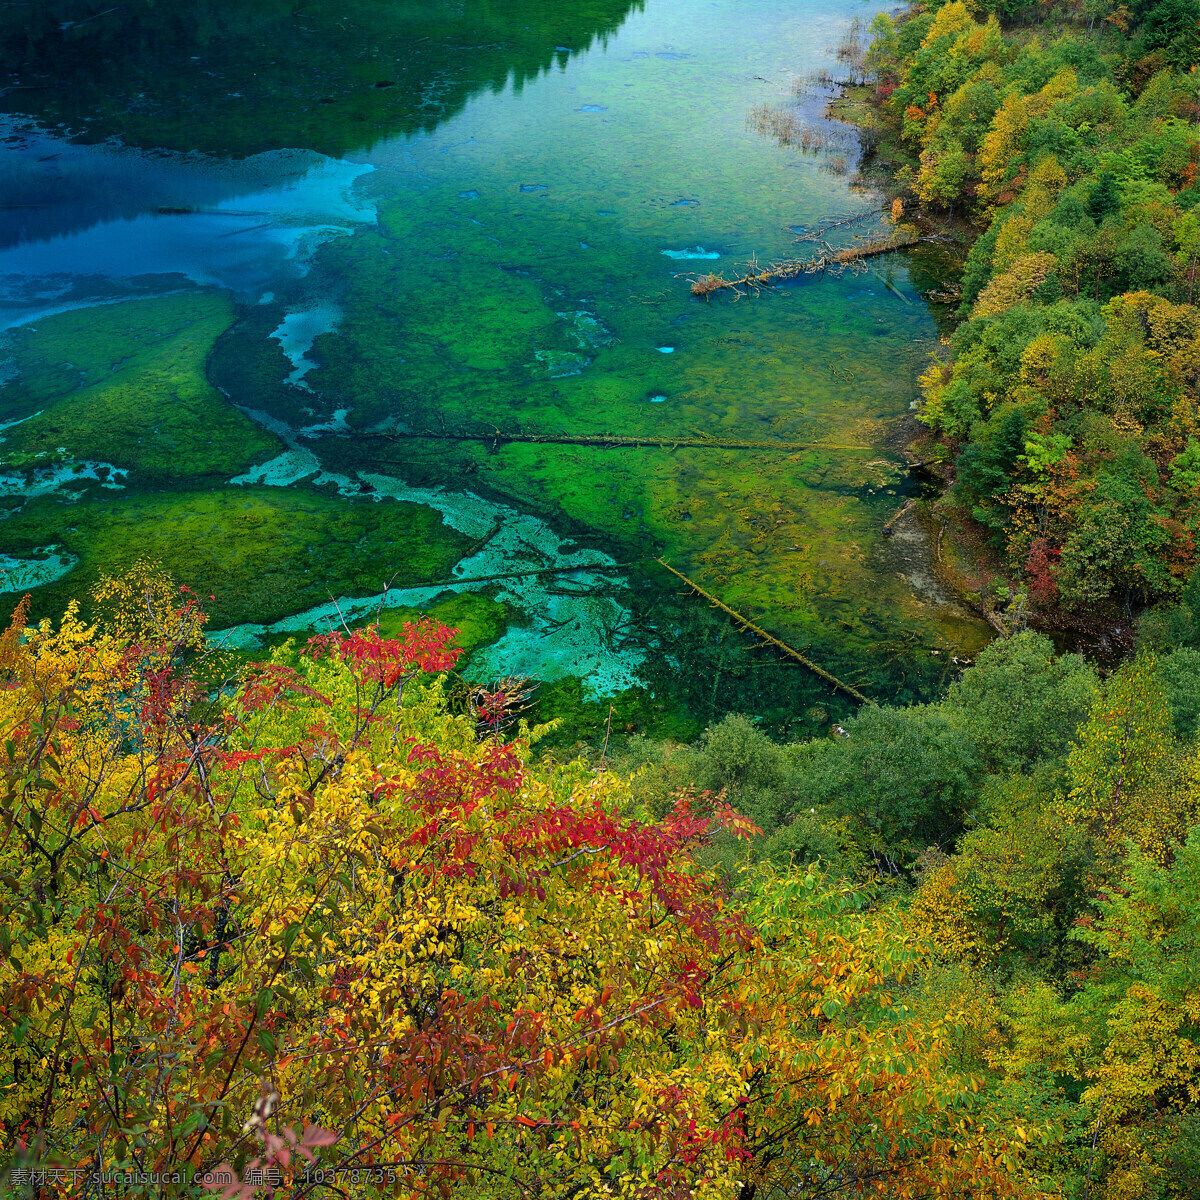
125, 384
261, 553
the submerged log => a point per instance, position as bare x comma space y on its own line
889, 525
756, 279
613, 440
606, 568
746, 623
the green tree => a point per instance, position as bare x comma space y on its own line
1105, 199
1187, 238
1021, 703
1125, 770
734, 756
902, 779
1172, 27
1117, 541
1147, 991
1027, 874
986, 467
944, 169
1185, 468
1179, 675
883, 53
1140, 262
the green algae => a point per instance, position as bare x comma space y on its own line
480, 620
74, 349
125, 384
430, 336
260, 553
41, 566
249, 362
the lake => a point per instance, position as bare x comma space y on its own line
279, 284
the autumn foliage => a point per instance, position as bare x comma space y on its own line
1066, 398
304, 921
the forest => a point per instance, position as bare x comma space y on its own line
1065, 400
332, 921
339, 923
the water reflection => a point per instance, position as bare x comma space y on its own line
239, 77
92, 224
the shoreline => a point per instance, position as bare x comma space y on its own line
855, 104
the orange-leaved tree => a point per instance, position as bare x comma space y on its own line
308, 926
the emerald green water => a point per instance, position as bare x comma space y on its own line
386, 219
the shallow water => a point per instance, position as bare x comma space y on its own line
495, 239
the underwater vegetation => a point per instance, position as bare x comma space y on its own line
509, 264
570, 598
747, 521
261, 553
125, 384
444, 327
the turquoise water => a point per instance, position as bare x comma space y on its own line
249, 257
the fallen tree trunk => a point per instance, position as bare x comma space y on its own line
888, 526
746, 623
754, 279
452, 582
613, 440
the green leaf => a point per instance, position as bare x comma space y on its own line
196, 1121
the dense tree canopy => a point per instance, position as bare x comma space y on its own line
308, 911
1068, 399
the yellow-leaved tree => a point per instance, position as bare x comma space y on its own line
1132, 783
307, 926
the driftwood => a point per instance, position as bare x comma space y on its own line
757, 278
611, 440
445, 583
814, 235
746, 623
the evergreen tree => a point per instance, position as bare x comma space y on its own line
1105, 199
